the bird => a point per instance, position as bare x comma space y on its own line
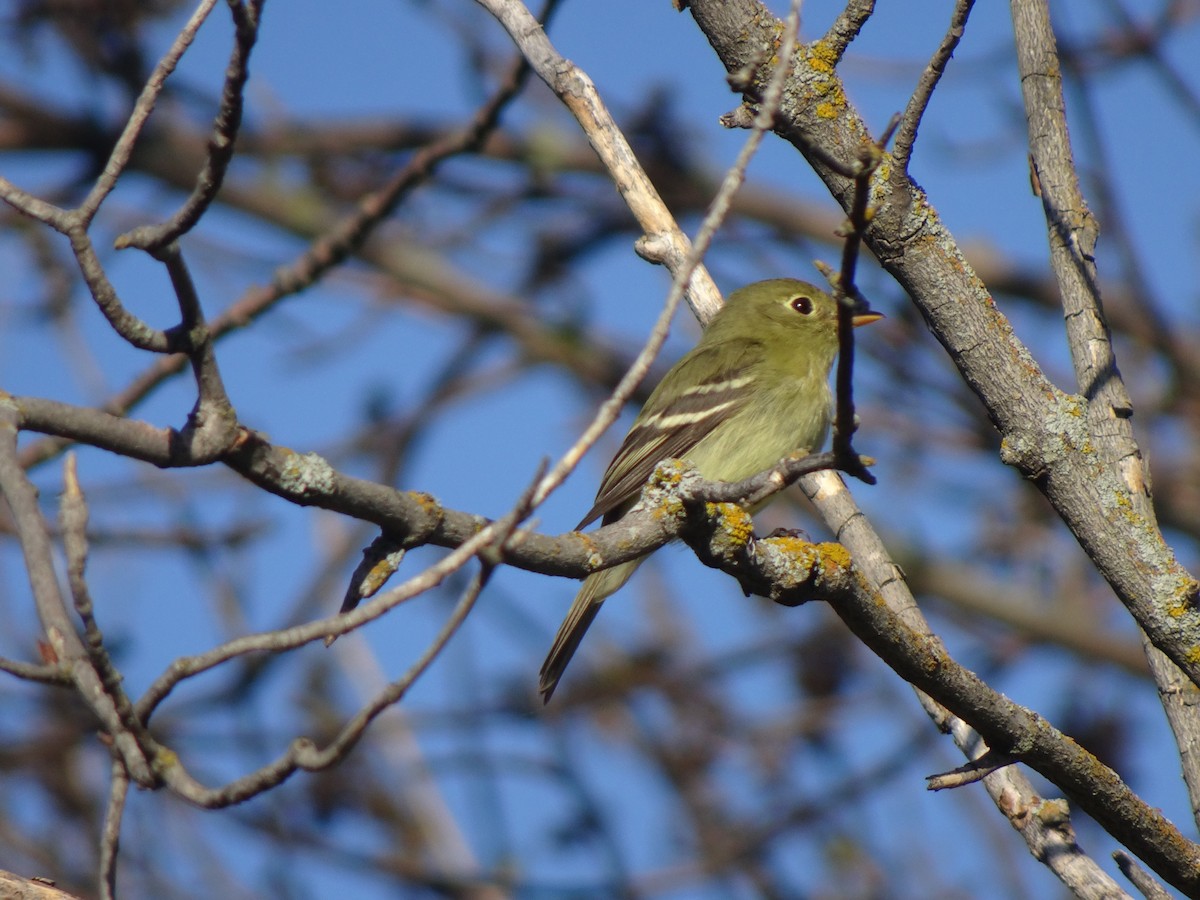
753, 390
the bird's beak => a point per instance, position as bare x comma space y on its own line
866, 318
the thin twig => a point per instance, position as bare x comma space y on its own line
46, 673
845, 424
303, 754
758, 487
73, 519
354, 729
212, 427
136, 331
577, 92
290, 638
974, 771
917, 103
1140, 878
34, 207
118, 159
228, 121
110, 836
332, 248
48, 599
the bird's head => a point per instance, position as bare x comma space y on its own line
802, 312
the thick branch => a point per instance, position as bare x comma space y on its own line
1073, 232
413, 518
795, 571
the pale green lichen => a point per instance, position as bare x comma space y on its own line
1067, 419
306, 476
793, 563
1178, 592
662, 493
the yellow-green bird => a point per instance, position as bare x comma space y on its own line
753, 390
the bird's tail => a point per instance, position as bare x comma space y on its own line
583, 610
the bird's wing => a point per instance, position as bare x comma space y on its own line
719, 385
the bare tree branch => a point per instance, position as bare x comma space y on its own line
1073, 233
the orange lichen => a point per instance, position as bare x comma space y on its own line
734, 522
833, 555
821, 57
427, 502
793, 546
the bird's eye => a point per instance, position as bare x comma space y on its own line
802, 305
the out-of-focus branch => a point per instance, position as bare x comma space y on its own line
969, 588
246, 17
110, 836
488, 545
18, 888
123, 149
52, 610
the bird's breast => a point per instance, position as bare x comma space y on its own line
778, 420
